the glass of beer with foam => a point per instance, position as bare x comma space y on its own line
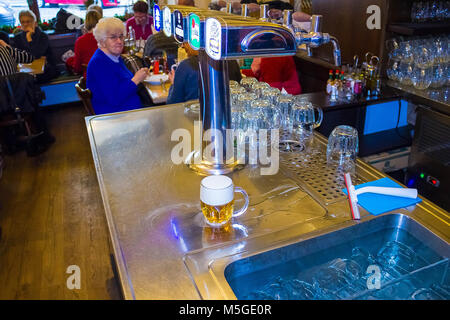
217, 200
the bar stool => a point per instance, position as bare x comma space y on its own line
85, 96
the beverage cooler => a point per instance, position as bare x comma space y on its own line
429, 163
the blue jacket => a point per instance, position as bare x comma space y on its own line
185, 82
111, 85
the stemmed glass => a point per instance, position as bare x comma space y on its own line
421, 78
405, 73
392, 70
438, 76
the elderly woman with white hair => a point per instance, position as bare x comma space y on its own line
114, 88
33, 40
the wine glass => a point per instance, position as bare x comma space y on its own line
393, 69
438, 76
421, 78
422, 57
405, 73
406, 52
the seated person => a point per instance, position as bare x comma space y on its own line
82, 28
276, 7
114, 88
275, 10
185, 78
141, 22
190, 3
10, 57
22, 85
252, 7
4, 36
158, 43
220, 5
33, 40
278, 72
85, 45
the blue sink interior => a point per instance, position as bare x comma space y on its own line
409, 261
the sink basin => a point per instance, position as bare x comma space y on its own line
389, 257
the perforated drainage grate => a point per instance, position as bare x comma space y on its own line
310, 170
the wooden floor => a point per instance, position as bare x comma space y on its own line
51, 215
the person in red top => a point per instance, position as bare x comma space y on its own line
141, 22
278, 72
85, 46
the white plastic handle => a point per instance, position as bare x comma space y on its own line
397, 192
352, 198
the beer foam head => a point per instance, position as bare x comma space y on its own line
216, 190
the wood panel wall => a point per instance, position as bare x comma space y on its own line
346, 20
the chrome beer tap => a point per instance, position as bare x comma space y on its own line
316, 38
220, 36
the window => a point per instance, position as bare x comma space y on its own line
9, 9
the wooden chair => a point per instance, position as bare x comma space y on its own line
15, 117
85, 95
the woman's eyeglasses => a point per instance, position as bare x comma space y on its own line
115, 37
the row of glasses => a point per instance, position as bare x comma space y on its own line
255, 105
424, 50
422, 11
421, 62
296, 117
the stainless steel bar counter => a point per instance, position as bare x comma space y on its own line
161, 245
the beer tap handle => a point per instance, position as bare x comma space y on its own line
244, 10
287, 19
229, 8
263, 12
316, 23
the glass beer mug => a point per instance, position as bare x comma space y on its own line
304, 120
217, 200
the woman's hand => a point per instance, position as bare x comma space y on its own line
140, 75
3, 43
301, 17
30, 31
256, 66
171, 75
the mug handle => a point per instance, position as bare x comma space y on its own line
319, 118
245, 207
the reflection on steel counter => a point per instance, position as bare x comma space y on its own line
155, 222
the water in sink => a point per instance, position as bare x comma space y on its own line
405, 266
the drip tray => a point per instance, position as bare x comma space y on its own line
310, 170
